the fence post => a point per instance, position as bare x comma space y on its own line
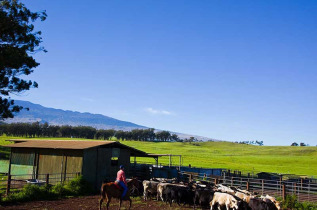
231, 181
248, 175
228, 172
301, 184
190, 177
248, 185
8, 185
295, 188
283, 192
47, 179
262, 186
216, 181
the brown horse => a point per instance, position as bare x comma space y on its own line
110, 190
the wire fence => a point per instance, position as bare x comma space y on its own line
14, 183
278, 188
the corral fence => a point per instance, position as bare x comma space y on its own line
14, 183
279, 186
305, 191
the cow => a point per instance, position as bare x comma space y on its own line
224, 200
161, 191
225, 189
149, 188
271, 202
179, 194
203, 197
258, 204
243, 196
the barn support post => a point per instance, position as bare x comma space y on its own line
8, 185
47, 179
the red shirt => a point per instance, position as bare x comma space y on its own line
121, 176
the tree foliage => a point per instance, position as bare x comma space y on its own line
37, 129
18, 42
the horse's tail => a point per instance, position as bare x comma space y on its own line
103, 191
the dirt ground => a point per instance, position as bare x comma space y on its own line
91, 203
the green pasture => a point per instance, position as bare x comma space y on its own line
279, 159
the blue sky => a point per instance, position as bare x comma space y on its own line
231, 70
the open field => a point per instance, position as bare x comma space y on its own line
280, 159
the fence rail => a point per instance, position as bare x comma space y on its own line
14, 183
279, 188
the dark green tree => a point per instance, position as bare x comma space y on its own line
18, 42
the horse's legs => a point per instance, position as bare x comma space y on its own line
108, 201
100, 203
120, 202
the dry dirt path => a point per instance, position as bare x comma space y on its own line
91, 203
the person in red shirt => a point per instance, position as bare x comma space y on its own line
121, 180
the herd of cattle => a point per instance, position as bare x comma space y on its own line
205, 195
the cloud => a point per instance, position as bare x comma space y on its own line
158, 112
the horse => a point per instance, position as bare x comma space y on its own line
110, 190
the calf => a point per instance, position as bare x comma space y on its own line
149, 188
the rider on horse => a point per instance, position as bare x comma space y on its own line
121, 180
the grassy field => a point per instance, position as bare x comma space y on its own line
280, 159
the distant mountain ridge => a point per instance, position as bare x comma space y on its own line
39, 113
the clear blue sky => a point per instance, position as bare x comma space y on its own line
231, 70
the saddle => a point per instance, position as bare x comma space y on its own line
118, 186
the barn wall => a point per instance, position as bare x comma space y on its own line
22, 161
59, 163
104, 165
124, 159
89, 165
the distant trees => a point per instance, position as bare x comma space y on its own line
260, 143
37, 129
302, 144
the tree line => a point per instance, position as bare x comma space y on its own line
36, 129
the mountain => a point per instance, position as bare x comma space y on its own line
64, 117
38, 113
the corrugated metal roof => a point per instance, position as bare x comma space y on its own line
75, 144
58, 144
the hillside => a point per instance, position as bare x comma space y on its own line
39, 113
279, 159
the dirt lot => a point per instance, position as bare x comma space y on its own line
91, 203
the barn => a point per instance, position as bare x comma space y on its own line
95, 160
